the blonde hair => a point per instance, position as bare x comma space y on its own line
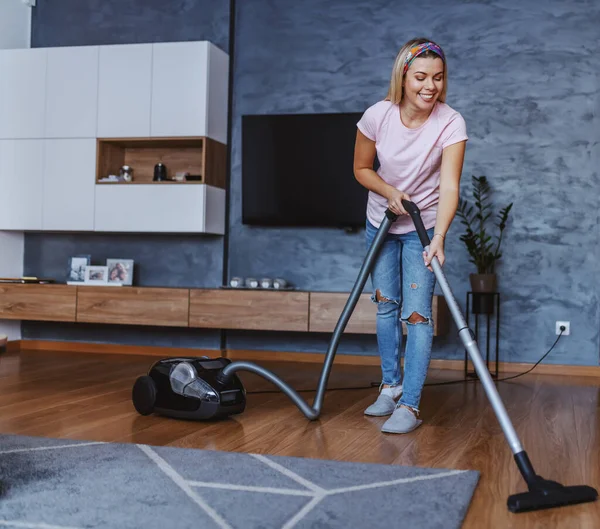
395, 90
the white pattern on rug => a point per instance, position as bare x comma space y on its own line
310, 490
317, 493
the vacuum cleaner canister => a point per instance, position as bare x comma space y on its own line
187, 388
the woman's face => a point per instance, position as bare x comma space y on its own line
424, 82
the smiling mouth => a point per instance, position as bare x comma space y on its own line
426, 97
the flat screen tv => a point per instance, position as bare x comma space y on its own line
297, 170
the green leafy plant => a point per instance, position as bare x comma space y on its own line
484, 251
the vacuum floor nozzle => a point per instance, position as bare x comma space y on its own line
548, 494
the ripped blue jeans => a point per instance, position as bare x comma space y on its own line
405, 286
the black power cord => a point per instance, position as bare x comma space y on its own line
562, 329
376, 384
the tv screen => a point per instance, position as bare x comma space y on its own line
297, 170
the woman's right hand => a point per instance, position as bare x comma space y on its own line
395, 202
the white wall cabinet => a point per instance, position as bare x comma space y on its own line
21, 166
68, 200
55, 103
71, 92
22, 93
156, 208
189, 90
124, 91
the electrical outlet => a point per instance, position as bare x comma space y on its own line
566, 324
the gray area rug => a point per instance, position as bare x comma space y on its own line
63, 484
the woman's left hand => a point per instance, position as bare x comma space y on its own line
436, 249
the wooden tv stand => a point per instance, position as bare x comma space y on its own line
209, 308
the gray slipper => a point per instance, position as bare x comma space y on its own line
385, 403
401, 421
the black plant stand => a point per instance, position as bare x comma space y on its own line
483, 304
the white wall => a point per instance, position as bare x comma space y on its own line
15, 32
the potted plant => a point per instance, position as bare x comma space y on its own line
484, 251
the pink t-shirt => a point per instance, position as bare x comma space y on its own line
410, 159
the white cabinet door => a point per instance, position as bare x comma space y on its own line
218, 94
22, 93
174, 208
179, 89
21, 167
125, 87
69, 183
72, 92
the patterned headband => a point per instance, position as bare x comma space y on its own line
415, 51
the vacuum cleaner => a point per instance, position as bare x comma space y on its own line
204, 388
188, 388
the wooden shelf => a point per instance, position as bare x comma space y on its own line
213, 308
326, 307
38, 302
200, 156
249, 309
133, 305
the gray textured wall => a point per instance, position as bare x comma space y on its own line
161, 260
524, 74
97, 22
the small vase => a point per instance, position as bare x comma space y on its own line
483, 286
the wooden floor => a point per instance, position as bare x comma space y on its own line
87, 396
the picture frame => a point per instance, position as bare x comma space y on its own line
96, 275
120, 271
76, 268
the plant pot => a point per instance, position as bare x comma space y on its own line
483, 282
483, 287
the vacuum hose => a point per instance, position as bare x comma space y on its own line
313, 412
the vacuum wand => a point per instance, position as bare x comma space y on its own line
465, 333
543, 493
313, 412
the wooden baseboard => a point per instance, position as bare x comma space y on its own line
13, 345
281, 356
108, 348
284, 356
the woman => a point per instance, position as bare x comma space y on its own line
420, 143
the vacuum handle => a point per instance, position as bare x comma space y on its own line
415, 214
391, 215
